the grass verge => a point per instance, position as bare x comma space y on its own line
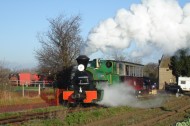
38, 110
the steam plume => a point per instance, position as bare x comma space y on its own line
121, 95
155, 25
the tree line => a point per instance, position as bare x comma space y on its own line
180, 63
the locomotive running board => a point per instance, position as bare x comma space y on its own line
67, 96
90, 96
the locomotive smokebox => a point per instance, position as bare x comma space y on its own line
83, 59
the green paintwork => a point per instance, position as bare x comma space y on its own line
104, 73
110, 72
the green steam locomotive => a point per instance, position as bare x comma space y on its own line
92, 76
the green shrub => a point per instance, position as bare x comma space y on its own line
186, 122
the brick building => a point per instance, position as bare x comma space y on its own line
165, 74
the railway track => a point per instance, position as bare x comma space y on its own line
26, 117
173, 109
163, 117
43, 115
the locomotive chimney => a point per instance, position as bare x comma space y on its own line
83, 59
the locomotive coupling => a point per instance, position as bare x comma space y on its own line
78, 96
80, 90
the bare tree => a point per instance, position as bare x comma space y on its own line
151, 71
60, 45
134, 60
118, 55
4, 74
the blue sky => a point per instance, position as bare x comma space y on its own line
22, 20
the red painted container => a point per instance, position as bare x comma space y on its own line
25, 78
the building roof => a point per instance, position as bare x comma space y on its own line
164, 62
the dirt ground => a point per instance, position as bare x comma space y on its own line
43, 102
15, 108
173, 110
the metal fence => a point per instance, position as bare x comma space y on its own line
30, 83
21, 88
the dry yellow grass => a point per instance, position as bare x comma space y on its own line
12, 98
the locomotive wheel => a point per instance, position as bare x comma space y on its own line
72, 105
65, 103
85, 105
61, 101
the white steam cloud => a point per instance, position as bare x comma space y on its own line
155, 25
123, 95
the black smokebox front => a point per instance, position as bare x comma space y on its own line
83, 59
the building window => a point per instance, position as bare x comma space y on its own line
183, 82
